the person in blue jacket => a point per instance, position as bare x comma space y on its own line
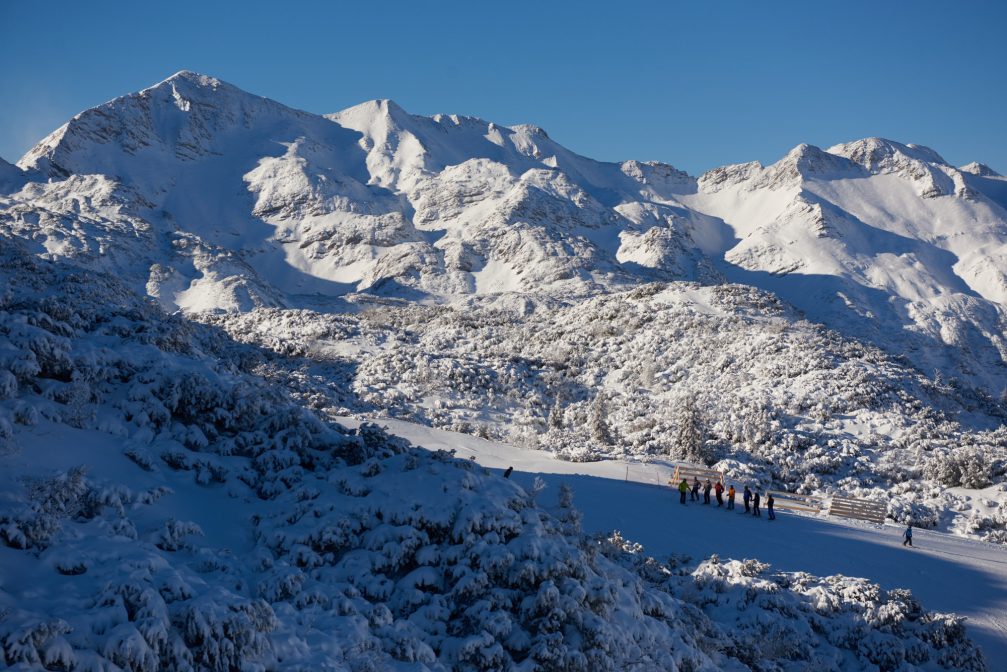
908, 536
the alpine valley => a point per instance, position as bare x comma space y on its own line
206, 297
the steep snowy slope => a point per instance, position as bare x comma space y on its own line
984, 179
161, 507
158, 178
878, 240
238, 201
11, 177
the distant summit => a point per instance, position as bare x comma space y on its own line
980, 169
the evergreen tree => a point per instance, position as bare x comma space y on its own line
556, 413
690, 437
600, 430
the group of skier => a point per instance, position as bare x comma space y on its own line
752, 500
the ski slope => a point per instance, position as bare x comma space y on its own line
946, 573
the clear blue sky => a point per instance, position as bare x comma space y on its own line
695, 84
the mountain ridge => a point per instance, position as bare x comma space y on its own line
236, 201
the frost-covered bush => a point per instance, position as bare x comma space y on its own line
358, 551
702, 374
804, 622
989, 525
50, 502
968, 467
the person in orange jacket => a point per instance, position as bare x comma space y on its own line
730, 498
719, 489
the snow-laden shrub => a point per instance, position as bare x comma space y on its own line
366, 553
989, 525
967, 467
790, 399
50, 502
38, 643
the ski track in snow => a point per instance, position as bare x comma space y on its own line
946, 573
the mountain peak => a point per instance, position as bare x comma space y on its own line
377, 107
530, 129
192, 78
980, 169
878, 153
809, 159
382, 113
806, 160
181, 115
916, 163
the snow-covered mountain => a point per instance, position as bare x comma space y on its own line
882, 241
210, 198
182, 491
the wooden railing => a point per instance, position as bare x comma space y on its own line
691, 471
861, 509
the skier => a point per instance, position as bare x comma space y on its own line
719, 489
747, 497
730, 498
755, 504
908, 534
683, 488
510, 470
706, 491
695, 489
769, 507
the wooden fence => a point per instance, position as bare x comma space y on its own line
691, 471
861, 509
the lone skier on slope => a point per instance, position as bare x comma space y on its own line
683, 488
755, 505
730, 499
747, 497
769, 506
719, 489
908, 534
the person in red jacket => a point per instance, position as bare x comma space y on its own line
719, 488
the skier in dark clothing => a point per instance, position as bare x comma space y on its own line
755, 504
695, 489
908, 534
769, 506
509, 471
683, 488
747, 497
706, 491
719, 489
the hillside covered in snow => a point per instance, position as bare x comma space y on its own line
199, 285
164, 507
